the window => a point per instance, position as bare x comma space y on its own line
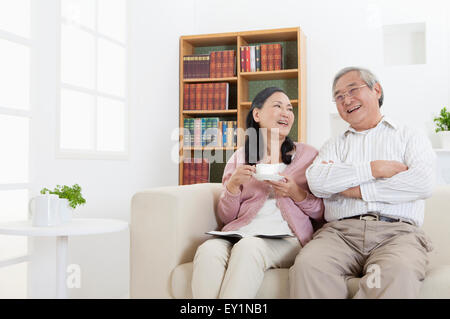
93, 114
15, 47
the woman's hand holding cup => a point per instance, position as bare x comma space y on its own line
241, 175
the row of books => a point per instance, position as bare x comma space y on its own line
195, 171
209, 131
264, 57
206, 96
217, 64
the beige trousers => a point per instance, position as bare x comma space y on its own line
225, 268
391, 258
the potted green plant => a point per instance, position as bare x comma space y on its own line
443, 127
70, 198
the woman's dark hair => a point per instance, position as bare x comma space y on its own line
254, 154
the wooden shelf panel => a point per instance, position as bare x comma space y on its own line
211, 39
209, 148
288, 34
210, 112
232, 80
270, 75
249, 104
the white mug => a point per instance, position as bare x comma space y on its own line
45, 211
65, 211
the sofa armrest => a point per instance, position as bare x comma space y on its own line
167, 226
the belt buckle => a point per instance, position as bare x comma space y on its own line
369, 217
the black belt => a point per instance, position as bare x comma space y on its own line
376, 217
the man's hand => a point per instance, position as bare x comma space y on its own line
354, 192
387, 169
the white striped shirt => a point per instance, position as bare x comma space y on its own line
401, 196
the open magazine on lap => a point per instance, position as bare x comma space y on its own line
238, 234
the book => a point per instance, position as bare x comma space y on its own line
277, 56
219, 134
238, 234
258, 58
230, 134
233, 64
204, 171
195, 170
252, 59
210, 94
198, 96
247, 59
270, 55
242, 59
197, 132
186, 133
263, 57
212, 65
186, 67
186, 105
216, 96
204, 94
191, 130
226, 64
219, 64
191, 171
223, 93
224, 133
185, 172
192, 95
196, 66
205, 66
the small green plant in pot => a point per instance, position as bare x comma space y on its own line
70, 198
443, 127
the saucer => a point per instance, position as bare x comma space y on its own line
268, 177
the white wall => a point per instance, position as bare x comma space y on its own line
339, 33
349, 32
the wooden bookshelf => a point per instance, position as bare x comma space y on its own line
231, 80
209, 112
270, 75
292, 79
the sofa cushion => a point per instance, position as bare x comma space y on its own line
276, 283
274, 286
436, 225
180, 281
436, 284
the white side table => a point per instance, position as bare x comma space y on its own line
77, 227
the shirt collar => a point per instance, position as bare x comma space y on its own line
385, 120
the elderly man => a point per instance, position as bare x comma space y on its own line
373, 178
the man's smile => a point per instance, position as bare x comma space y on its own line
353, 109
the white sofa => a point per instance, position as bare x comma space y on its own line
168, 224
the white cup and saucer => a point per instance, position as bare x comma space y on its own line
268, 172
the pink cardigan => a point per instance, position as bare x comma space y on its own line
237, 210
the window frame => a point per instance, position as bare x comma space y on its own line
19, 112
94, 153
24, 113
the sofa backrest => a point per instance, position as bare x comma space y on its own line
437, 225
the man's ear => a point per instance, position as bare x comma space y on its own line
377, 89
255, 114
